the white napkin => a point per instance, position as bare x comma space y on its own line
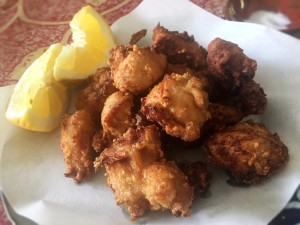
32, 164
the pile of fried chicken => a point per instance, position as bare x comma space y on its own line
172, 89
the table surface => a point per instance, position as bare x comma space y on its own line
26, 25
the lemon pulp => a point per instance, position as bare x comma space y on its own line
38, 100
92, 40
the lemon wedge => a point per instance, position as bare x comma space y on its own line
38, 100
92, 40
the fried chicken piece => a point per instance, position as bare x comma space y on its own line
247, 151
233, 73
116, 119
124, 161
77, 132
229, 64
180, 48
179, 104
92, 97
203, 75
198, 176
139, 147
117, 115
140, 177
166, 187
125, 184
135, 69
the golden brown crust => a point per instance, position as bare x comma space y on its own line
135, 69
248, 151
116, 116
222, 116
92, 97
124, 160
180, 48
125, 184
77, 132
166, 187
140, 177
191, 93
179, 104
101, 141
139, 146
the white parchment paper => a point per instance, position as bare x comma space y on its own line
32, 164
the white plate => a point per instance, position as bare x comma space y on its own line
32, 164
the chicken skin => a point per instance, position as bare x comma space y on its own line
135, 69
247, 151
92, 97
179, 104
180, 48
77, 131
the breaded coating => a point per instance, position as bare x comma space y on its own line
124, 161
180, 48
233, 72
101, 141
92, 97
203, 75
126, 185
247, 151
229, 64
222, 116
77, 131
166, 187
139, 147
179, 104
158, 105
135, 69
178, 68
251, 98
140, 177
117, 116
136, 37
198, 176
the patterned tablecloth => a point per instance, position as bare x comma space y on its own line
27, 27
